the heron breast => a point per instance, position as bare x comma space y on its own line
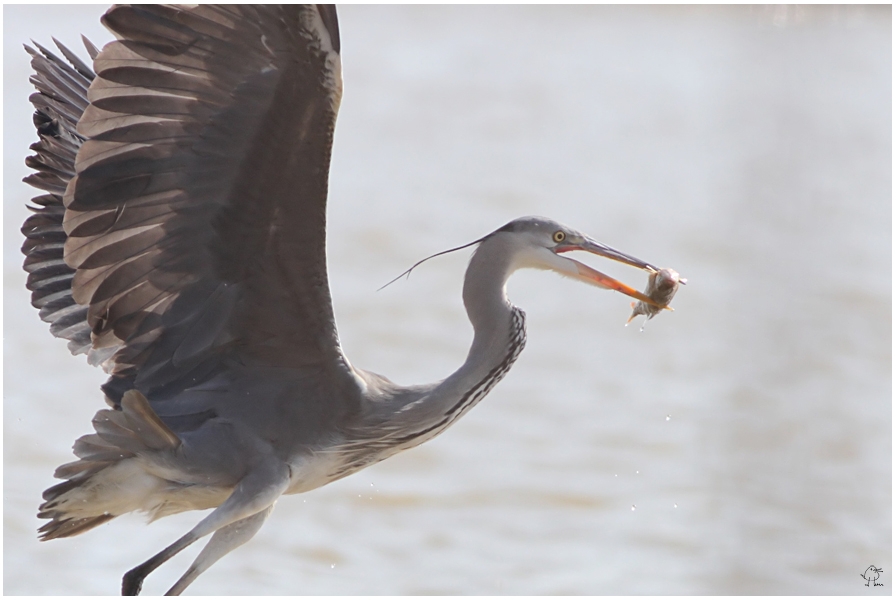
313, 470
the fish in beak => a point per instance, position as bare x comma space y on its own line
585, 273
661, 287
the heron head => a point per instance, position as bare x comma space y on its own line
538, 243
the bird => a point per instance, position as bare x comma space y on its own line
179, 243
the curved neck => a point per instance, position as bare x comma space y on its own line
420, 413
489, 311
394, 418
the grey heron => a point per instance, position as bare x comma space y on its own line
180, 245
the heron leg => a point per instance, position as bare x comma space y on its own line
223, 541
254, 494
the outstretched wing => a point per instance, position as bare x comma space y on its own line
194, 223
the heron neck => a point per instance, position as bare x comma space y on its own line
498, 338
489, 311
395, 418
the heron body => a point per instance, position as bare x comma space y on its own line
180, 245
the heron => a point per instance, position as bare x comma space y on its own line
179, 243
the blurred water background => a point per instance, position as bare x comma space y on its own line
740, 445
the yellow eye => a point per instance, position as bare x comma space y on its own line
559, 236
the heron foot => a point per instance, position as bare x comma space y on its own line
132, 582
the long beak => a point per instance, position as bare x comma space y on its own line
594, 277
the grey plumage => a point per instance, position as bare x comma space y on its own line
181, 245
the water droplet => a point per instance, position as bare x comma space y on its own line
637, 472
616, 475
668, 417
675, 506
633, 508
333, 566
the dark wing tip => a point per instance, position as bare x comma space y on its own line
76, 62
58, 103
92, 50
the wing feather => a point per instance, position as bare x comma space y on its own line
193, 193
58, 108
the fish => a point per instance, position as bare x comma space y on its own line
661, 288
